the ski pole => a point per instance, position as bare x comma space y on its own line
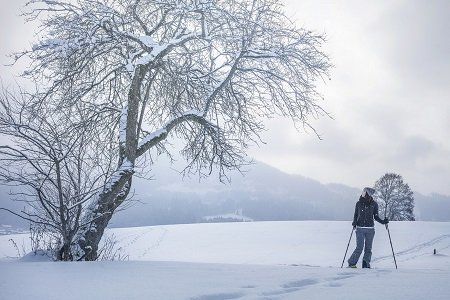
353, 229
393, 254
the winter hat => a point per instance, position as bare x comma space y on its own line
369, 191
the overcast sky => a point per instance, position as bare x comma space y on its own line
389, 96
389, 92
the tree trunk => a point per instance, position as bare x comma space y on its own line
65, 253
100, 216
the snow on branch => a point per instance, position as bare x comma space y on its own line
125, 168
260, 53
157, 136
157, 49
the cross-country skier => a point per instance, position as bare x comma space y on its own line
366, 210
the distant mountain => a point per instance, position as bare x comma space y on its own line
434, 207
263, 193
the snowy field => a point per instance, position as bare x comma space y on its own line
255, 260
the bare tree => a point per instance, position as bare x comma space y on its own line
395, 198
51, 165
206, 72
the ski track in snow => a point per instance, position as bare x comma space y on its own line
144, 234
443, 241
291, 287
294, 286
156, 244
287, 288
222, 296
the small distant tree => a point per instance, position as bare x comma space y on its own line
395, 198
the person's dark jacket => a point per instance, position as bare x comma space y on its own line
366, 210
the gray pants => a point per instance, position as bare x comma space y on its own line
364, 236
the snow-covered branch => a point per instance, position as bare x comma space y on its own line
157, 136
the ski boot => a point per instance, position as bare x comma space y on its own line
365, 265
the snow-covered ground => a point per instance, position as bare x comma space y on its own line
256, 260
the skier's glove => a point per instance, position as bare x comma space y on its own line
385, 221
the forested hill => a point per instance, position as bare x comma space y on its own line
261, 193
